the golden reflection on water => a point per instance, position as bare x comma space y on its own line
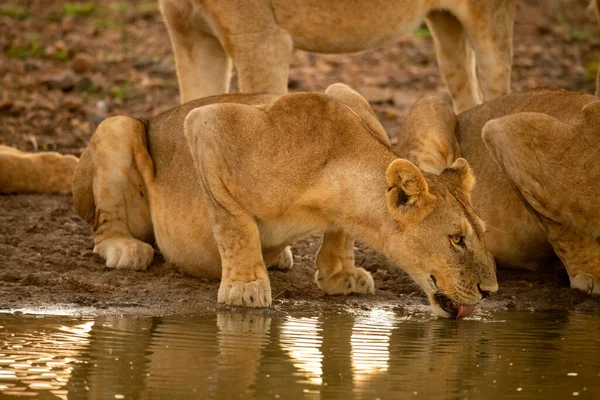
255, 355
302, 339
41, 359
371, 343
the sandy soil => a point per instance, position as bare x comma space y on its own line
65, 66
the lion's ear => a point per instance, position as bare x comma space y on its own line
360, 107
407, 191
461, 175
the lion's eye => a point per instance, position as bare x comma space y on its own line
457, 240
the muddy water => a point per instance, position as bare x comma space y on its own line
371, 354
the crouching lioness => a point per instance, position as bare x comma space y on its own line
224, 184
535, 154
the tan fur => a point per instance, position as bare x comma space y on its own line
597, 4
258, 37
45, 172
535, 157
254, 172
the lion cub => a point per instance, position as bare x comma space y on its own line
224, 184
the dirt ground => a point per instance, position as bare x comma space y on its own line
65, 66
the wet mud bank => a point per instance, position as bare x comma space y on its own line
47, 266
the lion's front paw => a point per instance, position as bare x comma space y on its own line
284, 261
125, 252
253, 294
586, 283
350, 280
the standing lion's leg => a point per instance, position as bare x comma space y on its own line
336, 273
489, 25
115, 168
262, 61
597, 4
598, 83
203, 67
456, 59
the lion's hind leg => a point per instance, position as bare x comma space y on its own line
489, 26
580, 252
116, 169
456, 59
544, 160
203, 67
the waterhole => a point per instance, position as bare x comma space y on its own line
375, 354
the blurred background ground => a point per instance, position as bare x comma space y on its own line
65, 66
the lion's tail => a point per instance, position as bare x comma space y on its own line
45, 172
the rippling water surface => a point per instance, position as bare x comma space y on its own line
369, 355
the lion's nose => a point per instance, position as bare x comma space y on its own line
486, 290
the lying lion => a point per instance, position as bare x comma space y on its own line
472, 38
535, 155
225, 184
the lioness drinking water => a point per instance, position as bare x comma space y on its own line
535, 155
224, 184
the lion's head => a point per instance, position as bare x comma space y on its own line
436, 236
